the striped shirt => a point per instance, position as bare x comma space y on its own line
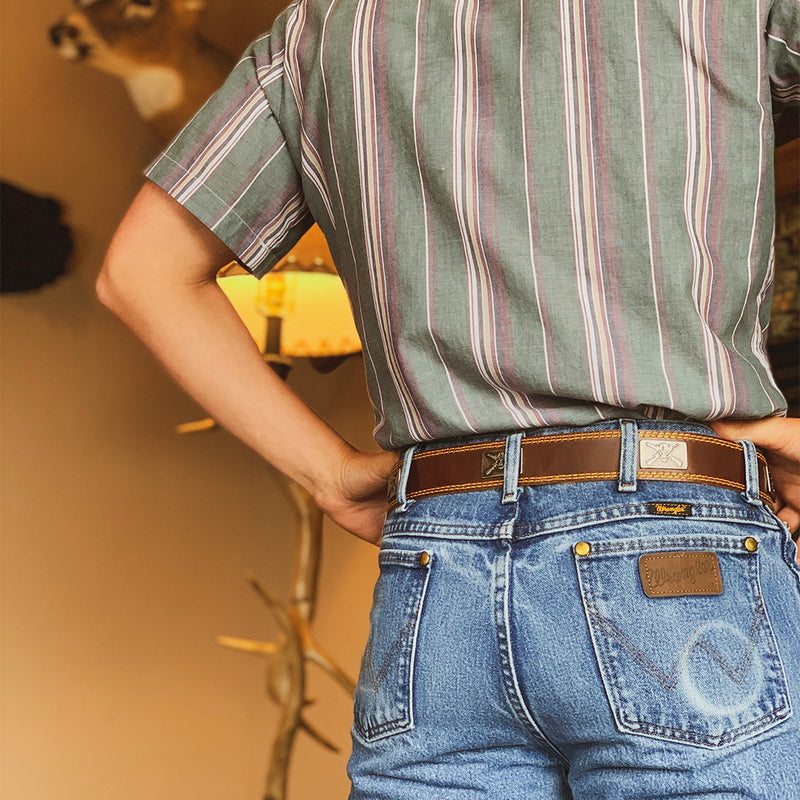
548, 212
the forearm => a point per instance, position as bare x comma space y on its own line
159, 278
196, 334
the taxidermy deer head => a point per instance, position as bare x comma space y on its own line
153, 46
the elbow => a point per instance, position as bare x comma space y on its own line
104, 288
106, 291
111, 286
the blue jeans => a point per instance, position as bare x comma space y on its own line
506, 662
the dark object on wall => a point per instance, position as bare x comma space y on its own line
34, 243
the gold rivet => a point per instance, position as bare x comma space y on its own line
750, 544
582, 548
423, 559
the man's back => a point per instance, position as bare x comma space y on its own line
551, 213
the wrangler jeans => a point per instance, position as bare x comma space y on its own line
513, 652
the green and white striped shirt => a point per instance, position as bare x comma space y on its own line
545, 212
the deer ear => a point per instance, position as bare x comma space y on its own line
188, 11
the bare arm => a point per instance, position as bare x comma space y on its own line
159, 278
779, 438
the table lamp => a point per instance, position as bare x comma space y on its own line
299, 309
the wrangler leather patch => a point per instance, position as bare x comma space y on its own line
682, 574
670, 509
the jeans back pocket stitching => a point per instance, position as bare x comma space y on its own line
375, 679
609, 674
405, 721
669, 681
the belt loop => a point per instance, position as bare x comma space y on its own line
402, 479
628, 455
751, 494
511, 468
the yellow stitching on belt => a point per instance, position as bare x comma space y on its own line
527, 441
575, 477
455, 487
689, 478
466, 448
530, 441
668, 477
566, 437
695, 437
571, 478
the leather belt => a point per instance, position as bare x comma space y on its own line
581, 456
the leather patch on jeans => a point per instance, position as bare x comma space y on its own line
685, 573
670, 509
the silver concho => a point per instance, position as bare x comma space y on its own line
662, 454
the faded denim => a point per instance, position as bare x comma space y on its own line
501, 664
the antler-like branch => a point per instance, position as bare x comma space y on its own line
296, 644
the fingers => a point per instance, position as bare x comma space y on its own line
779, 438
790, 516
781, 434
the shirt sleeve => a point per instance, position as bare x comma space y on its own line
783, 53
232, 169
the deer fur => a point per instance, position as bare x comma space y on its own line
154, 47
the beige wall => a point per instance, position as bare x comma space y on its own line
124, 546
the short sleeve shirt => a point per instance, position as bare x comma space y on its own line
550, 214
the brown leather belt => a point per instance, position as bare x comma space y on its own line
581, 456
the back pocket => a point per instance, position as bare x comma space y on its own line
384, 694
682, 637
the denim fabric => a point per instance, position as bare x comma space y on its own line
503, 664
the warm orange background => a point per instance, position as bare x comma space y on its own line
124, 546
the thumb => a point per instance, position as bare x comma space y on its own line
384, 461
375, 466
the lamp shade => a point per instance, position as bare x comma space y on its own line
242, 292
315, 315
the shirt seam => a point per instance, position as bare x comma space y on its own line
195, 183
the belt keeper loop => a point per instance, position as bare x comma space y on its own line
751, 491
628, 455
402, 479
511, 467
